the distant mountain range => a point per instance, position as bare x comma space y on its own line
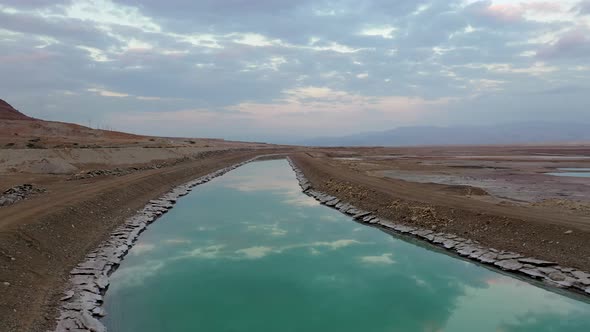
538, 132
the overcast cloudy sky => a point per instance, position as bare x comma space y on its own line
275, 70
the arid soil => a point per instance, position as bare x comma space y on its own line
555, 232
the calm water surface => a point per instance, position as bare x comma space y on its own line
250, 252
573, 172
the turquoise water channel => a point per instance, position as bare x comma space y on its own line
249, 252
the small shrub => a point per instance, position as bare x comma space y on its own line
35, 146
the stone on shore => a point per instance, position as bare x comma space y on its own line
537, 262
509, 265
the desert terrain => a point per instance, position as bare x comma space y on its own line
81, 183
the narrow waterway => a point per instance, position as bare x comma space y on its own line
249, 252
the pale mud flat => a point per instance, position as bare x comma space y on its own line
518, 179
509, 182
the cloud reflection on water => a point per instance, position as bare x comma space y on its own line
275, 181
381, 259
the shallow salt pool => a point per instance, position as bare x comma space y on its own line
572, 172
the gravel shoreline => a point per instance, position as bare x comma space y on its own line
548, 273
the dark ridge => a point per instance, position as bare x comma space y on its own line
7, 112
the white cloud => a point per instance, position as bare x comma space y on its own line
272, 229
177, 241
334, 245
142, 248
381, 259
135, 276
384, 31
209, 252
106, 12
95, 54
255, 252
107, 93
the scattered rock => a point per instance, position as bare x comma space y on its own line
510, 255
99, 312
466, 251
124, 171
568, 232
583, 277
361, 215
449, 244
6, 283
556, 276
509, 265
537, 262
67, 295
489, 257
18, 193
333, 202
533, 273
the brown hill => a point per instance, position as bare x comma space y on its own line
40, 134
18, 130
7, 112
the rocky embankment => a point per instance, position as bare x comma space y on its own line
549, 273
81, 306
18, 193
120, 171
